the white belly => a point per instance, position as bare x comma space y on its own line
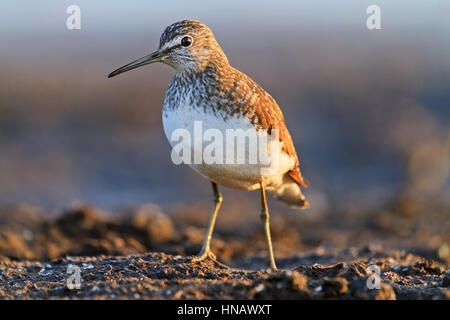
237, 172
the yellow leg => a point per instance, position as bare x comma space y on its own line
265, 220
206, 249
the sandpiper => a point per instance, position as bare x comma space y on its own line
206, 88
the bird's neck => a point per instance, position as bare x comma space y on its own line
196, 88
211, 71
215, 63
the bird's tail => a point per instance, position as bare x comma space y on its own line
290, 193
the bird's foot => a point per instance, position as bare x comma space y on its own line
209, 255
205, 254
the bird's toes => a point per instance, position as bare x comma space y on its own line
208, 255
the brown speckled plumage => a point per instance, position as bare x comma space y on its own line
220, 87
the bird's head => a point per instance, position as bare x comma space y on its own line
187, 46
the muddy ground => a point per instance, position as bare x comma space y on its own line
145, 253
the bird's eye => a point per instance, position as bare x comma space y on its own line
186, 41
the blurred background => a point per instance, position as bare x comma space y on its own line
368, 110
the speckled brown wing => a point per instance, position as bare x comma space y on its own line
265, 112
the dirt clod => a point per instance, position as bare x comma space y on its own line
334, 287
145, 254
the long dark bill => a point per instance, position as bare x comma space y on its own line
148, 59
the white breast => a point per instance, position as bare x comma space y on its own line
238, 176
